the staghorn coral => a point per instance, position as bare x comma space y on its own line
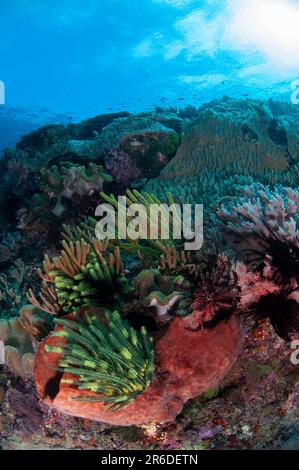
84, 274
115, 361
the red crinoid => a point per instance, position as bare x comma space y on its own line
217, 294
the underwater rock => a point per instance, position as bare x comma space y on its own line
87, 128
148, 142
187, 364
121, 129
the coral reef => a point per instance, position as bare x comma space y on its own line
237, 157
187, 364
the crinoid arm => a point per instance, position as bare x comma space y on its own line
115, 362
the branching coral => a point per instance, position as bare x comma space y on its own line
262, 224
115, 361
84, 274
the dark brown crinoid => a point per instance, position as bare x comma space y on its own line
283, 313
284, 261
216, 295
281, 255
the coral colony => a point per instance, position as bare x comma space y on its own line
140, 316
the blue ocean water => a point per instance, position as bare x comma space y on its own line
76, 58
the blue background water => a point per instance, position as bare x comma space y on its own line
68, 59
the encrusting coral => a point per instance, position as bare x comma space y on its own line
121, 167
229, 131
